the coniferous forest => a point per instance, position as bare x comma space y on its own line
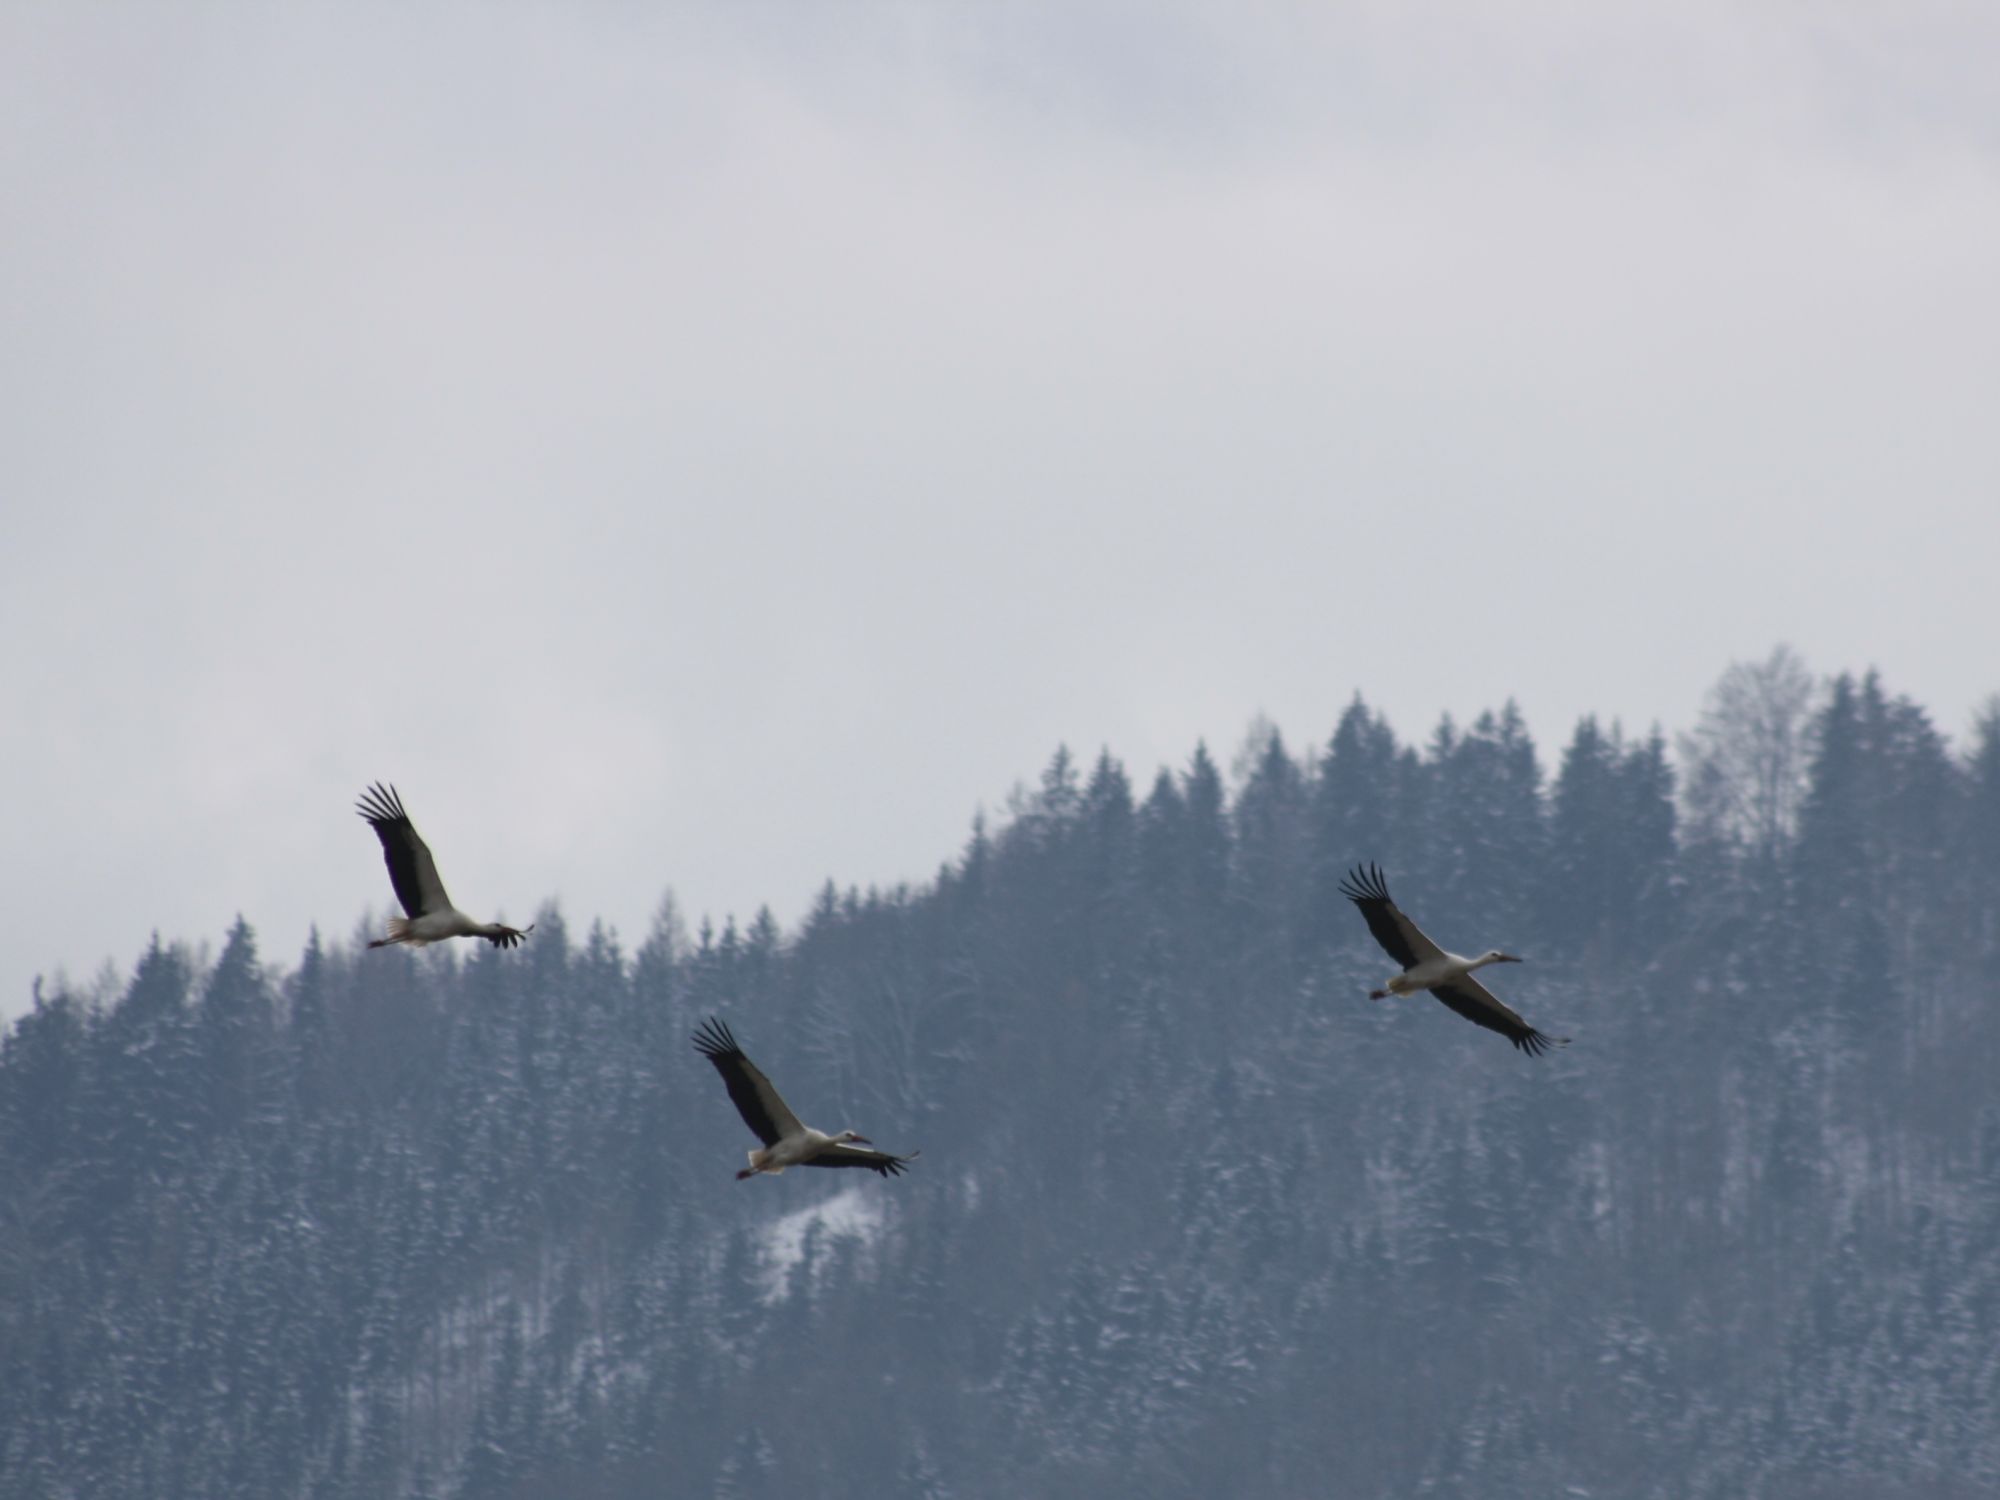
1193, 1218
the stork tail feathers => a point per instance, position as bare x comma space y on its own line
399, 932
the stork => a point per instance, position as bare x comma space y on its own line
787, 1143
431, 916
1426, 966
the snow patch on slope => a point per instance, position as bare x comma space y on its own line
850, 1213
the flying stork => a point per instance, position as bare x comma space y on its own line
413, 872
1426, 966
787, 1143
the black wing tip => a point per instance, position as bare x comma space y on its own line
881, 1163
379, 804
1365, 883
1535, 1043
714, 1039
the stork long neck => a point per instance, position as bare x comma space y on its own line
1482, 961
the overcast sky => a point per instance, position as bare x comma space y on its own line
721, 447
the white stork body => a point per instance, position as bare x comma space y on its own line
787, 1142
431, 918
1432, 972
794, 1151
1426, 966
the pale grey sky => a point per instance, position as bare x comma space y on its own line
720, 447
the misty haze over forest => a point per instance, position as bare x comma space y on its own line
737, 439
1192, 1218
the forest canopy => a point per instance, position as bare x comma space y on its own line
1192, 1216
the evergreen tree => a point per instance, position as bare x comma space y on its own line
43, 1088
1161, 833
501, 1451
1832, 862
309, 1034
1487, 820
1651, 825
1354, 800
147, 1075
1270, 881
1208, 842
1976, 842
1110, 860
1611, 843
1582, 902
1355, 810
235, 1034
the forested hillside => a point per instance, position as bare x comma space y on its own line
1193, 1218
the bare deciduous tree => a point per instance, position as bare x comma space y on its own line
1744, 766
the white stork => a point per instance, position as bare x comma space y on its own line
1426, 966
787, 1143
413, 872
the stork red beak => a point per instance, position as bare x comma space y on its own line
862, 1140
